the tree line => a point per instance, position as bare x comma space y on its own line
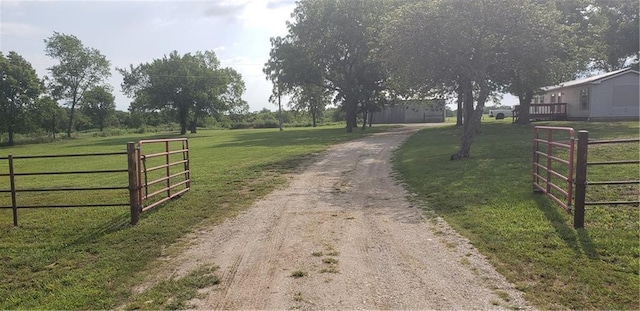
182, 88
357, 54
362, 54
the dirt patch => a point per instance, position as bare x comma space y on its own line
342, 235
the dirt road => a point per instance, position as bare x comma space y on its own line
345, 226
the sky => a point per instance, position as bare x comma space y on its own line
135, 32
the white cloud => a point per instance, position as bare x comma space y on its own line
270, 18
18, 29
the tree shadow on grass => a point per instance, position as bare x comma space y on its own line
293, 137
109, 226
577, 239
122, 141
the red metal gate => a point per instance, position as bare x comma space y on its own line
557, 154
163, 172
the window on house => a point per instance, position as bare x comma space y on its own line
584, 99
535, 99
553, 98
542, 99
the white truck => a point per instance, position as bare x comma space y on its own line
500, 114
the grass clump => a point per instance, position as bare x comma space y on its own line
489, 199
298, 273
175, 293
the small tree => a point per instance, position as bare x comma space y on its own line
49, 115
99, 104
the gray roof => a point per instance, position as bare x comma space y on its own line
594, 79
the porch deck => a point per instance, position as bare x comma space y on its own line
543, 112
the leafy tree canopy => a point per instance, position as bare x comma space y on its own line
189, 86
79, 69
19, 89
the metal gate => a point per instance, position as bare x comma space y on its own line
553, 163
163, 171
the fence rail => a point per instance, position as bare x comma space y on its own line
544, 172
139, 181
581, 176
14, 189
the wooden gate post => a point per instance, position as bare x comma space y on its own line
133, 183
581, 179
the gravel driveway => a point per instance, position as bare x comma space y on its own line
345, 226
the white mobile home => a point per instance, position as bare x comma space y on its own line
609, 96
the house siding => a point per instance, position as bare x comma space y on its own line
617, 97
409, 112
572, 97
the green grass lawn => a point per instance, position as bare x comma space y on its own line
530, 240
89, 258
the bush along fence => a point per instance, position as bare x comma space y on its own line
137, 175
557, 158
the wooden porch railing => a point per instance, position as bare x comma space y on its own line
544, 111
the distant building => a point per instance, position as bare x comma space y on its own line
612, 95
411, 111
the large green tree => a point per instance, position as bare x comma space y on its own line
617, 33
331, 44
20, 88
473, 47
99, 104
188, 86
79, 69
536, 60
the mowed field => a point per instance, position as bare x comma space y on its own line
91, 258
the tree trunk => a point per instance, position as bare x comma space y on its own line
370, 118
472, 119
364, 119
53, 126
10, 142
71, 113
182, 114
313, 117
193, 128
467, 104
460, 107
351, 114
525, 103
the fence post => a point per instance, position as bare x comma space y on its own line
12, 181
133, 183
581, 179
